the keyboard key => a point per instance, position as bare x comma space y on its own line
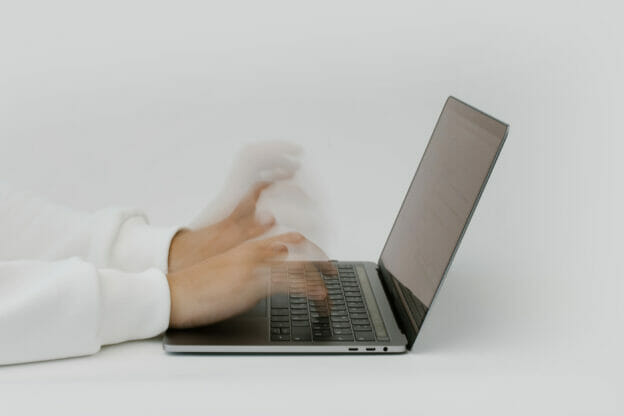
275, 330
300, 318
352, 294
362, 328
279, 319
335, 338
342, 331
295, 294
342, 338
359, 316
303, 312
280, 324
279, 312
360, 322
297, 285
341, 325
279, 300
364, 336
280, 337
301, 334
357, 310
340, 319
285, 330
300, 323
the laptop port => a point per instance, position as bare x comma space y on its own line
370, 349
353, 349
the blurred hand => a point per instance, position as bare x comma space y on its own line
269, 161
189, 247
226, 284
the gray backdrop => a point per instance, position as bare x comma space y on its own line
143, 104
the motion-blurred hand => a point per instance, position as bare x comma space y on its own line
268, 161
226, 284
189, 247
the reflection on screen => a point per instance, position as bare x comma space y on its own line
445, 189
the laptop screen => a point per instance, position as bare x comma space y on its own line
440, 200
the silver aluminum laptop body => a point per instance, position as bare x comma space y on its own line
398, 291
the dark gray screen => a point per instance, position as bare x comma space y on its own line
440, 200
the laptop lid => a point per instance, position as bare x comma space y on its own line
436, 211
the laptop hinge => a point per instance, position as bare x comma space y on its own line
405, 319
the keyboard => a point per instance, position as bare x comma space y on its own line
302, 312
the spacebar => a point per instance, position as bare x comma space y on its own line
301, 333
279, 300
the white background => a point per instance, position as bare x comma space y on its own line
145, 103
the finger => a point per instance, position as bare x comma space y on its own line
273, 252
286, 238
258, 188
276, 247
260, 227
253, 159
277, 174
327, 268
307, 251
279, 168
264, 217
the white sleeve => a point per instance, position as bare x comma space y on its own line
32, 228
69, 308
71, 281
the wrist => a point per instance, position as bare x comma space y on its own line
176, 248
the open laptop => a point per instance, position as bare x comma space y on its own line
368, 307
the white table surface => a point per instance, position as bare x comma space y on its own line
143, 104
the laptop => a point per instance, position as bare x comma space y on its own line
373, 307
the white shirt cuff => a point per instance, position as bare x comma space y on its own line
140, 246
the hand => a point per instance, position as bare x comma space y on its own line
189, 247
227, 284
270, 161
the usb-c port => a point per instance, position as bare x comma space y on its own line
370, 349
353, 349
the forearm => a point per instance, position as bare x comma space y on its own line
69, 308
